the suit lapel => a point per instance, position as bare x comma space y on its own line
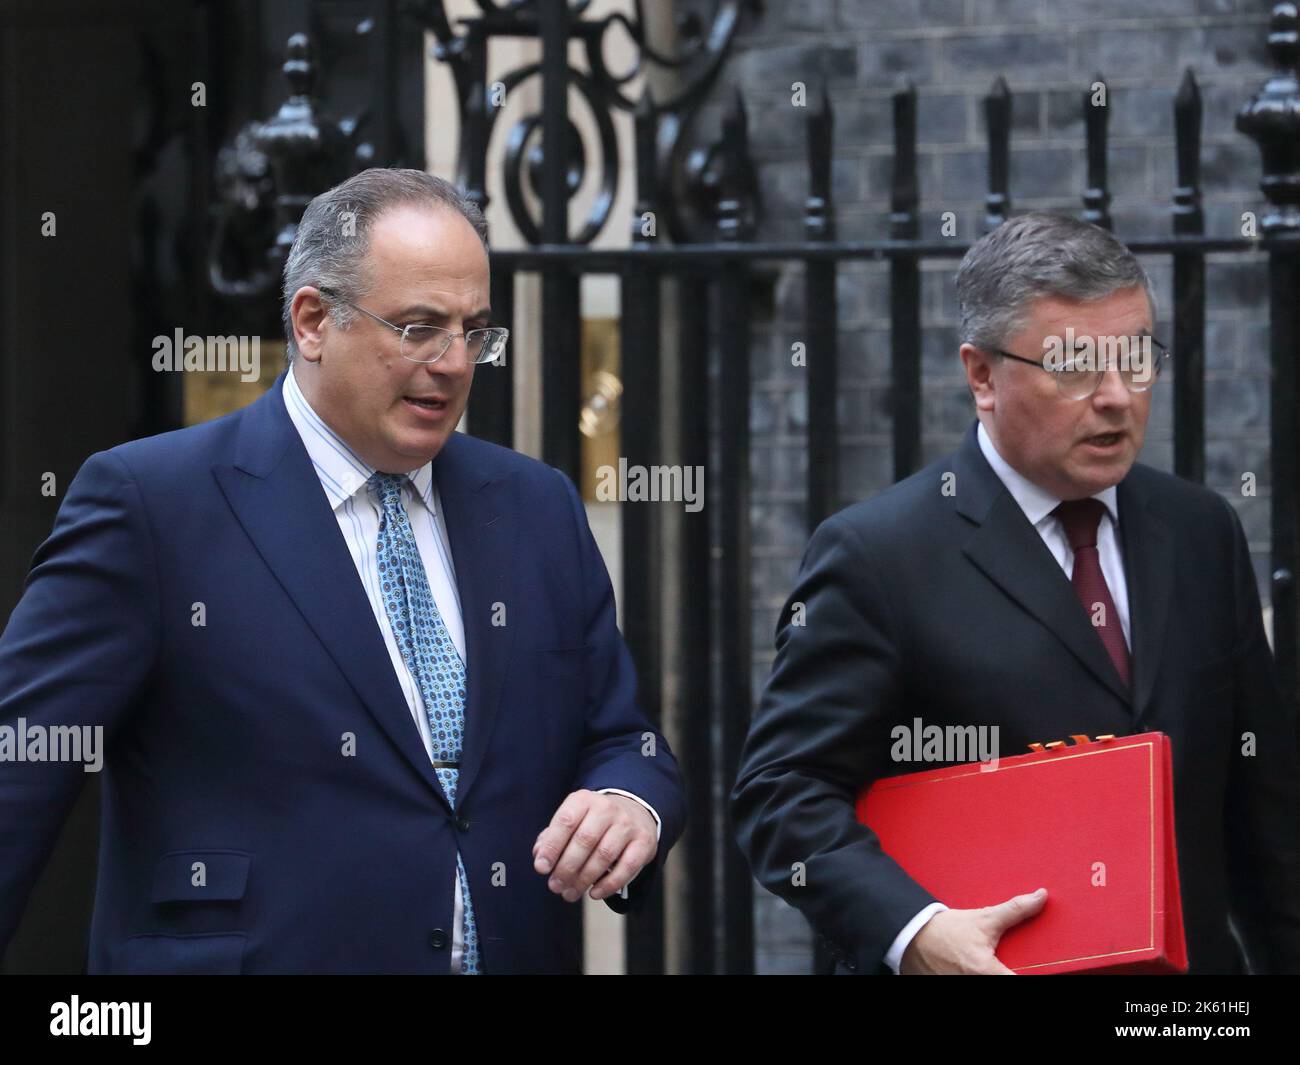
480, 512
1149, 573
277, 498
1012, 554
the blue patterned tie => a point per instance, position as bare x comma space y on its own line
429, 654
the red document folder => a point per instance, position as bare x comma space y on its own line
973, 836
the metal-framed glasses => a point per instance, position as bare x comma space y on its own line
1078, 377
429, 343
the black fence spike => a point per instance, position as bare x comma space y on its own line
819, 211
1187, 214
736, 182
1096, 116
997, 119
646, 129
904, 191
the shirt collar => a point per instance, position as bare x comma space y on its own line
341, 470
1034, 501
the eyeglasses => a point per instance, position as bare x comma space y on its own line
429, 343
1079, 378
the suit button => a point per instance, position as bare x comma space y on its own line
437, 939
463, 824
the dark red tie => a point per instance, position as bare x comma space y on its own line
1081, 518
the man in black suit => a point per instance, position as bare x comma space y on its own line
1036, 579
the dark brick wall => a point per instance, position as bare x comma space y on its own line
952, 50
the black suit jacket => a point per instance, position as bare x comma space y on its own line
949, 607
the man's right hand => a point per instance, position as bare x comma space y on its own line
964, 942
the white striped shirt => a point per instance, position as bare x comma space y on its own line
1038, 504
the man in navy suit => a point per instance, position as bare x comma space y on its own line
365, 704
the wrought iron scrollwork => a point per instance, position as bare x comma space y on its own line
689, 176
266, 178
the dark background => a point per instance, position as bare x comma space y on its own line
98, 127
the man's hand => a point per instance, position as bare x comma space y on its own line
964, 941
594, 839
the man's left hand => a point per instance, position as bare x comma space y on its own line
595, 841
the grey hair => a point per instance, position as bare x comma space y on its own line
332, 244
1033, 255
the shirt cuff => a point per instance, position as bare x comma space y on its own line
894, 956
636, 798
653, 813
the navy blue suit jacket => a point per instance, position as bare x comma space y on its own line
238, 834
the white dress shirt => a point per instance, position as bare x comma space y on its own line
343, 476
1038, 506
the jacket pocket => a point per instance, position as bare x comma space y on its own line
207, 953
